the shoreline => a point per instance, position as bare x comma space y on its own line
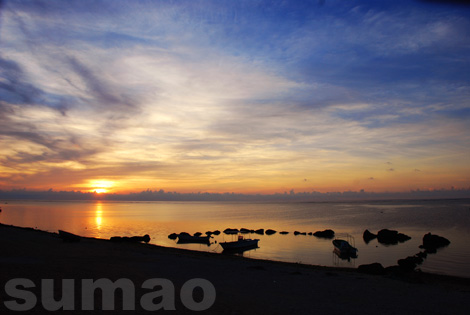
184, 251
243, 285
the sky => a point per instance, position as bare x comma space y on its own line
252, 97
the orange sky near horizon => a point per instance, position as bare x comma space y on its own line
190, 97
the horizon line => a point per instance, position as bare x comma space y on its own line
162, 195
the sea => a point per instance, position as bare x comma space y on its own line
415, 218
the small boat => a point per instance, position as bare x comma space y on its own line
69, 237
241, 243
185, 238
343, 248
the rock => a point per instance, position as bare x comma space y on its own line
69, 237
137, 239
403, 237
325, 234
173, 236
368, 236
284, 232
373, 269
133, 239
410, 262
197, 234
310, 233
230, 231
422, 255
407, 264
432, 242
270, 232
115, 239
216, 232
245, 231
260, 231
391, 237
209, 233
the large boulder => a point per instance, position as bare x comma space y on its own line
368, 236
173, 236
270, 232
391, 237
432, 242
409, 263
325, 234
145, 238
230, 231
373, 269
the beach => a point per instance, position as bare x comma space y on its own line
242, 285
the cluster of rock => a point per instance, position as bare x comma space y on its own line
430, 245
322, 234
246, 231
174, 236
385, 236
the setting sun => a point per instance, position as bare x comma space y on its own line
100, 186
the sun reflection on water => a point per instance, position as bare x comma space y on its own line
99, 215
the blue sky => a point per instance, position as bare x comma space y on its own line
244, 96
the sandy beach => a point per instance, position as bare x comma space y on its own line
243, 286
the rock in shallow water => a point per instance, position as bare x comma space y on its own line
325, 234
391, 237
432, 242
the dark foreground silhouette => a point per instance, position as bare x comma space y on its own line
243, 286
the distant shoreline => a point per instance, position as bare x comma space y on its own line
292, 196
4, 201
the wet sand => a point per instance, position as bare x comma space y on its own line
243, 286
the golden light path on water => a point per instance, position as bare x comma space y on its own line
99, 215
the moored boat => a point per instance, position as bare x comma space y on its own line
343, 248
241, 243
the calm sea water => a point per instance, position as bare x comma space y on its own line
448, 218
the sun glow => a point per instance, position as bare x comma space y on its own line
101, 186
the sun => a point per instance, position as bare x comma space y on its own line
100, 186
